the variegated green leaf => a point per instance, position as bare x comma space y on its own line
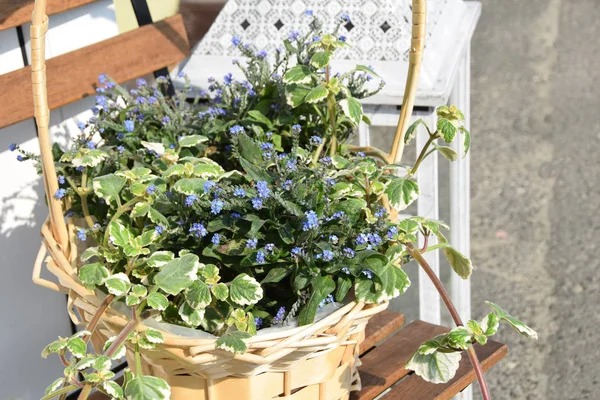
147, 387
245, 290
352, 109
119, 234
154, 336
298, 74
77, 346
89, 158
113, 389
317, 94
178, 274
198, 295
159, 258
515, 323
108, 187
192, 140
158, 148
191, 316
117, 284
436, 367
92, 275
460, 264
234, 342
402, 192
54, 386
157, 301
220, 291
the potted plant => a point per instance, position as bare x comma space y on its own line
235, 246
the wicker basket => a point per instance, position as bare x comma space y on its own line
317, 361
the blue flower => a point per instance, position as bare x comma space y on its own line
101, 101
270, 247
278, 319
151, 189
260, 257
239, 192
374, 239
342, 38
81, 235
333, 239
326, 160
81, 125
346, 270
216, 206
140, 100
348, 252
294, 35
228, 79
80, 168
263, 191
141, 82
297, 251
60, 193
110, 85
262, 54
257, 203
330, 182
287, 185
308, 12
236, 215
198, 230
61, 179
327, 300
361, 154
235, 41
152, 100
316, 38
91, 145
381, 212
267, 149
258, 322
129, 125
345, 17
327, 255
102, 78
297, 128
165, 120
393, 231
181, 74
362, 239
315, 140
12, 146
120, 136
338, 215
159, 229
251, 243
216, 239
121, 149
291, 165
190, 200
312, 221
236, 129
368, 273
208, 185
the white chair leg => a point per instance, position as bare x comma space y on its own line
428, 206
364, 134
460, 236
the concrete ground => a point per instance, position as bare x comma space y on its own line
536, 191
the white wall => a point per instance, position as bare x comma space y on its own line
33, 316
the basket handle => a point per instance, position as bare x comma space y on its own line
39, 27
417, 44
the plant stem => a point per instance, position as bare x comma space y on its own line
120, 339
331, 111
125, 207
423, 153
416, 254
62, 391
371, 151
84, 204
85, 392
96, 318
138, 360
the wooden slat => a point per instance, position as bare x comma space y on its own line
413, 387
384, 365
73, 76
198, 17
379, 327
17, 12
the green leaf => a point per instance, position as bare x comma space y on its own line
489, 324
157, 301
249, 149
322, 286
140, 210
113, 389
119, 234
352, 108
295, 94
178, 274
198, 295
436, 367
245, 290
257, 116
154, 336
320, 59
92, 275
208, 169
402, 192
448, 153
351, 207
298, 74
108, 187
159, 258
515, 323
89, 253
276, 274
191, 316
54, 386
447, 128
157, 218
255, 172
466, 141
411, 132
220, 291
190, 186
460, 264
316, 94
234, 342
174, 170
139, 290
54, 347
89, 158
367, 69
192, 140
118, 284
344, 284
77, 347
158, 148
147, 387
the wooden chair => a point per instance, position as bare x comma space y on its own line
72, 76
